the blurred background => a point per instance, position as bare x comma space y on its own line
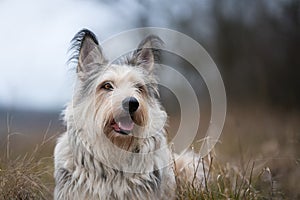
255, 44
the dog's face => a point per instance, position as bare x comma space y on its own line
117, 101
122, 101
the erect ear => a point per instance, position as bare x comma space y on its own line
88, 53
148, 52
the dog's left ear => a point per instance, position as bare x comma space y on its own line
148, 52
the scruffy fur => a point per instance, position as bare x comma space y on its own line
92, 159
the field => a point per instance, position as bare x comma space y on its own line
257, 157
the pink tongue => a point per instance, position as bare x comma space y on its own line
127, 126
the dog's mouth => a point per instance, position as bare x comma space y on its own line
123, 125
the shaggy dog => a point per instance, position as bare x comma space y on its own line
115, 146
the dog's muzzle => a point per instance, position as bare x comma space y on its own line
125, 124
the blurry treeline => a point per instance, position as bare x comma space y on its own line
257, 47
255, 43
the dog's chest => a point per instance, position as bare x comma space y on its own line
114, 184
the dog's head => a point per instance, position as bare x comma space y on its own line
116, 100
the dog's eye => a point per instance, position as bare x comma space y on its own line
107, 86
141, 88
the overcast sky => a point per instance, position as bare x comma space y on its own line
35, 36
34, 40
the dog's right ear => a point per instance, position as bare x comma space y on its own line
87, 52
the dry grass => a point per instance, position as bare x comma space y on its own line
27, 175
227, 181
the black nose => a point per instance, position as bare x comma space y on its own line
130, 104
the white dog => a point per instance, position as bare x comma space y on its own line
115, 146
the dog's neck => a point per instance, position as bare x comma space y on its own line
88, 157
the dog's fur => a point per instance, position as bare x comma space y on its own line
93, 159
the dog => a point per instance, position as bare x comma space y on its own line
115, 146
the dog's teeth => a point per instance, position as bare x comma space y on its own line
116, 127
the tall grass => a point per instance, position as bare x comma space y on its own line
27, 175
227, 181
